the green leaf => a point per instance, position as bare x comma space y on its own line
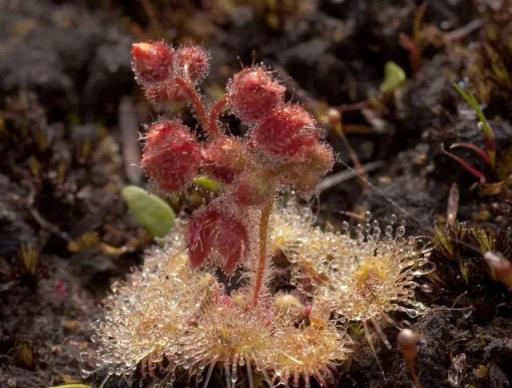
394, 76
475, 105
487, 131
71, 386
151, 211
207, 183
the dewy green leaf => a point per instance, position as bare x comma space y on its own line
151, 211
394, 76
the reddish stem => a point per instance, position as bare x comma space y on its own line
472, 170
263, 236
411, 368
197, 103
415, 54
215, 112
490, 147
481, 153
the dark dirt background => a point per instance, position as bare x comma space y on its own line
69, 116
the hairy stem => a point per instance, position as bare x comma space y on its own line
263, 236
197, 103
215, 112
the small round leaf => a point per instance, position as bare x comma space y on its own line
150, 211
394, 76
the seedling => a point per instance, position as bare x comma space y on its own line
488, 153
394, 77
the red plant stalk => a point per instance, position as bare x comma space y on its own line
263, 237
197, 103
477, 150
472, 170
215, 111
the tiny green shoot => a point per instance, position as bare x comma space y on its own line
394, 76
487, 131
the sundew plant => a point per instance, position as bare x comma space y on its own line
212, 301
